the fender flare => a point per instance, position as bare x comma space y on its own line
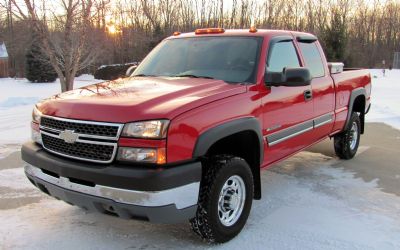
354, 94
214, 134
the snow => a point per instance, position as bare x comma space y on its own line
311, 201
3, 51
385, 97
17, 98
18, 101
117, 65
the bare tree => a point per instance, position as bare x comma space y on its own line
372, 28
64, 43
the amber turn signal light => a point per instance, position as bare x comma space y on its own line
161, 156
209, 31
253, 29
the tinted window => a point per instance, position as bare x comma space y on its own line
232, 59
283, 55
312, 59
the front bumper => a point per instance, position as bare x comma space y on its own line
163, 195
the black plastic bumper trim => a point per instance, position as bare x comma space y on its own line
116, 175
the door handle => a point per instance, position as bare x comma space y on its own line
308, 95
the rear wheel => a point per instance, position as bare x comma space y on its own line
225, 200
346, 143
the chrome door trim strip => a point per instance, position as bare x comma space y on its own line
322, 120
290, 132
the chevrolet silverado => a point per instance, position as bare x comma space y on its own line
185, 136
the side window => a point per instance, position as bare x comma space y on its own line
282, 55
312, 59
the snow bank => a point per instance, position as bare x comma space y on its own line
22, 88
385, 97
117, 65
18, 101
17, 97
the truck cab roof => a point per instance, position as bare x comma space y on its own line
243, 32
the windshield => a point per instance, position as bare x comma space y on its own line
231, 59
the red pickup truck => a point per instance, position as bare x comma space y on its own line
186, 135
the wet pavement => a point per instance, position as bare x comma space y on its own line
378, 157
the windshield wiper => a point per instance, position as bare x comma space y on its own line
194, 76
144, 75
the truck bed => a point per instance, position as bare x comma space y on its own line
345, 82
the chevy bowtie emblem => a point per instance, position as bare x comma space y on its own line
69, 136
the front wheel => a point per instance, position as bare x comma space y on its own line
346, 143
225, 200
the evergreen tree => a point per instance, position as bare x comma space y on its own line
157, 36
38, 69
334, 38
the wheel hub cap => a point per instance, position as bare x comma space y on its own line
231, 200
353, 136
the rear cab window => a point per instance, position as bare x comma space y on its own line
312, 58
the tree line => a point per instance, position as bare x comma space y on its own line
79, 35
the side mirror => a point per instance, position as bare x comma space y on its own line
130, 70
290, 77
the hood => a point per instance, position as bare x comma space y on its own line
137, 98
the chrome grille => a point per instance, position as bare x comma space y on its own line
80, 128
79, 150
95, 141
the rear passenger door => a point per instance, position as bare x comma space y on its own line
322, 86
287, 113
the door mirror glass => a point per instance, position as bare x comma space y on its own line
290, 77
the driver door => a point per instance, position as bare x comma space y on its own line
287, 111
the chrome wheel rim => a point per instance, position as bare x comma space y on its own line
353, 136
231, 200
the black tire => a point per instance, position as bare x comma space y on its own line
342, 141
217, 171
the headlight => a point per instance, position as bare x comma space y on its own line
147, 129
36, 114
